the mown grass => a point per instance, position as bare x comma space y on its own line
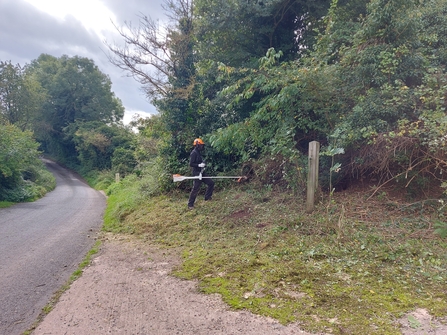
354, 266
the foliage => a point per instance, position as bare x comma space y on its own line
99, 180
365, 79
441, 229
123, 161
6, 204
186, 93
102, 146
170, 81
258, 82
238, 33
151, 136
77, 93
262, 80
21, 96
69, 106
332, 150
171, 84
22, 174
400, 110
133, 191
296, 103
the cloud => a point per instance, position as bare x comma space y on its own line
130, 10
26, 33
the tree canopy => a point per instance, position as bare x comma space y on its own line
264, 78
79, 96
67, 105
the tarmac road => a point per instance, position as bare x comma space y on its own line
41, 244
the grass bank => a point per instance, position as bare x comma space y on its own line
352, 267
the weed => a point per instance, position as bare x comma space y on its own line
441, 228
351, 267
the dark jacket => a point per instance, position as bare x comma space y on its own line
194, 160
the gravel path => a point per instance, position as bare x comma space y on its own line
128, 290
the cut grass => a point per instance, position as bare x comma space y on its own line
354, 266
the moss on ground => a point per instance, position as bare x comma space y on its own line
354, 266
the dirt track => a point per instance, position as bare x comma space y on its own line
128, 290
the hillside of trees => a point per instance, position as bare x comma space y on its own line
257, 81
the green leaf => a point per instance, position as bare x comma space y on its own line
413, 322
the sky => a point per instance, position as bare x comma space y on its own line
29, 28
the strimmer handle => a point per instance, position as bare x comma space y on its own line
200, 175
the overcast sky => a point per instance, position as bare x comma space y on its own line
29, 28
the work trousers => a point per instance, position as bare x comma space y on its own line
196, 188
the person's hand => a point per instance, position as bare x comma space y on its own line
201, 165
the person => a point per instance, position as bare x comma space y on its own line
198, 165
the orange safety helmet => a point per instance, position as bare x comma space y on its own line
198, 141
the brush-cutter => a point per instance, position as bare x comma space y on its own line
177, 177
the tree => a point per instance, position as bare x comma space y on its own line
10, 85
367, 77
77, 92
20, 167
165, 67
21, 96
391, 74
97, 143
297, 104
154, 55
179, 69
238, 33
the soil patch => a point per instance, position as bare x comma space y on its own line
239, 215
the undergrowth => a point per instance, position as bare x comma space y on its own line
354, 266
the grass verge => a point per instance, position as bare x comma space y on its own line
354, 266
6, 204
55, 298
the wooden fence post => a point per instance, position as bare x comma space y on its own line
117, 177
312, 176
